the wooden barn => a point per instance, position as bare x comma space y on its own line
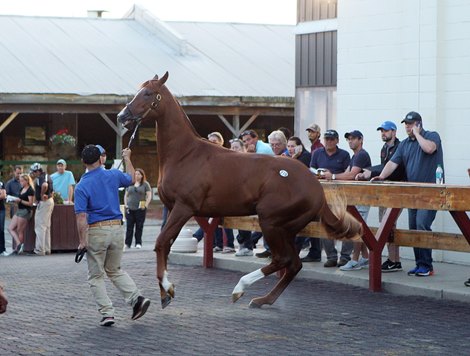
78, 73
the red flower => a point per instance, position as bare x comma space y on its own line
62, 132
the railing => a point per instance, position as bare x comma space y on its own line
394, 196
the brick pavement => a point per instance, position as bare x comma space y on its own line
51, 312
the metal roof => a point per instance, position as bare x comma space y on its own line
91, 56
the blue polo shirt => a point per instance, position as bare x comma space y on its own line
419, 166
97, 194
62, 182
336, 163
264, 148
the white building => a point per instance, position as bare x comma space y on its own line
396, 56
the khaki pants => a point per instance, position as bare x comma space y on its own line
105, 248
42, 226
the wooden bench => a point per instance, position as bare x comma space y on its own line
394, 196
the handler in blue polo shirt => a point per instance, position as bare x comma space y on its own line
99, 222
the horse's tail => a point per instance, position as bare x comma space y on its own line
337, 221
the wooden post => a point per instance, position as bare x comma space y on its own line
209, 227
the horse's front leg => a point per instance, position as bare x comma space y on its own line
167, 236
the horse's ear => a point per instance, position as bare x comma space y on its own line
156, 77
163, 79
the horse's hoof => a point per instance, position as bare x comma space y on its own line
166, 301
236, 296
171, 291
254, 305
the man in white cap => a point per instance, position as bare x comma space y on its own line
314, 134
63, 181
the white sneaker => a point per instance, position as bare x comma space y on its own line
138, 246
244, 252
351, 266
364, 262
4, 253
228, 250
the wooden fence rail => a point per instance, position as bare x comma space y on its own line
394, 196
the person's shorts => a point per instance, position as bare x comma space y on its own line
24, 213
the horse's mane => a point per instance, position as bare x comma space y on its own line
189, 123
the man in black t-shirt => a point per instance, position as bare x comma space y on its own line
388, 132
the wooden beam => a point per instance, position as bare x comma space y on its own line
8, 120
431, 239
402, 237
250, 120
402, 195
112, 124
226, 123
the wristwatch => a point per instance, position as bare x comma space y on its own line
333, 176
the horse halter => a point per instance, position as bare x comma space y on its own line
153, 105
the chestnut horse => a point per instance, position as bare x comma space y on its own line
199, 178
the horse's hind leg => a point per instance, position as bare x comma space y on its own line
175, 222
284, 255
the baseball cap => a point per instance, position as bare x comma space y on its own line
387, 125
35, 167
102, 150
313, 127
90, 154
61, 161
412, 116
355, 133
331, 133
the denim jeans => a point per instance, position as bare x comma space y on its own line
315, 246
422, 220
2, 231
256, 236
218, 237
244, 239
346, 246
135, 218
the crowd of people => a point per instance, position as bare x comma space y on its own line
99, 218
414, 159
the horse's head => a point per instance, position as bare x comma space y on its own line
147, 99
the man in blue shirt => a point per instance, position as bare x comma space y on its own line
13, 187
254, 145
335, 160
63, 181
99, 222
420, 153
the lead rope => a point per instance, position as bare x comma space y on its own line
131, 139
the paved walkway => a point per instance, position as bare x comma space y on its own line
447, 282
51, 312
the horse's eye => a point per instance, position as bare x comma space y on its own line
147, 93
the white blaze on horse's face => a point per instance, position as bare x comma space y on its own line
141, 102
